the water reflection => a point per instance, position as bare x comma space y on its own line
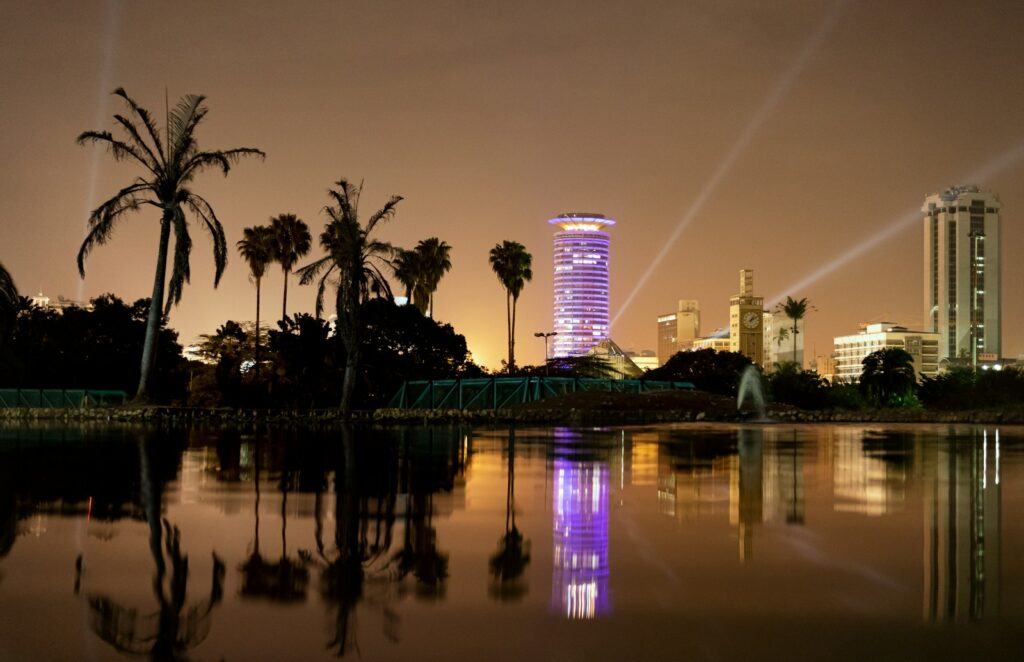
580, 572
963, 526
509, 562
373, 531
176, 626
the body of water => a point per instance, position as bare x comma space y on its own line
660, 542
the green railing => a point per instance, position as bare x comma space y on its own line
500, 392
60, 398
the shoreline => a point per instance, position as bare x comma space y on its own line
532, 415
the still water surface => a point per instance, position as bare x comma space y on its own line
717, 542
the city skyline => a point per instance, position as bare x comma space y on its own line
794, 139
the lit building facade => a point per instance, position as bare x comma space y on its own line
580, 282
850, 351
678, 330
962, 272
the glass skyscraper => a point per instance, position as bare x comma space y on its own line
581, 282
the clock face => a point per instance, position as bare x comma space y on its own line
751, 320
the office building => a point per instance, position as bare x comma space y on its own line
746, 320
678, 330
580, 283
962, 273
850, 350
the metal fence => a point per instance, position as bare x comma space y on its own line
499, 392
61, 398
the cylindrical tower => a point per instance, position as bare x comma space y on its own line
581, 282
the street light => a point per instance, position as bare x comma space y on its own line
545, 336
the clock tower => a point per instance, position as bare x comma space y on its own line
746, 313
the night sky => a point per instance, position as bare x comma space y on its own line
777, 136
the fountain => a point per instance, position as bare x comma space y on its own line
750, 389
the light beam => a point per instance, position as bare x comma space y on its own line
997, 166
769, 103
110, 32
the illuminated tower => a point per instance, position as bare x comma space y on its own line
746, 318
581, 282
961, 273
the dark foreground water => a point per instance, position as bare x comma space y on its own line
830, 542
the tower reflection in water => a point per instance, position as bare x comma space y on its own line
962, 527
579, 583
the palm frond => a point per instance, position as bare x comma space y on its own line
199, 161
8, 291
180, 272
201, 208
180, 124
321, 286
154, 165
105, 217
119, 149
307, 273
147, 121
384, 213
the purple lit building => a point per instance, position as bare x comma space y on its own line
581, 282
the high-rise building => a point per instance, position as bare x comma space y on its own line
581, 282
678, 330
746, 320
962, 272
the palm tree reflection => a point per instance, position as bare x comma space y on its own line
175, 627
509, 562
364, 511
286, 579
420, 554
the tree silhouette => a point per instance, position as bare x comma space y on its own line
888, 376
433, 262
357, 259
794, 309
509, 562
170, 162
512, 264
406, 265
257, 249
291, 241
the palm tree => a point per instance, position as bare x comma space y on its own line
434, 262
888, 375
170, 162
795, 310
358, 260
257, 249
512, 264
406, 265
291, 241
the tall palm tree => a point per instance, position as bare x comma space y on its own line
170, 162
358, 260
406, 265
434, 262
794, 309
513, 266
291, 241
257, 249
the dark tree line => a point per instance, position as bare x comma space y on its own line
95, 349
